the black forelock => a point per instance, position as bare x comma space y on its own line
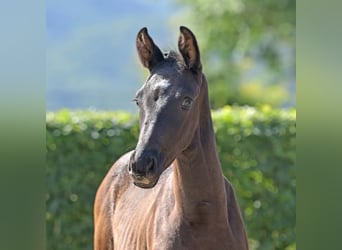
174, 57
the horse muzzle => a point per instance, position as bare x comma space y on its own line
144, 169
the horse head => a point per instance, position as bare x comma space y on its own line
169, 105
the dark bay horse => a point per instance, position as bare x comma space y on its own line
169, 193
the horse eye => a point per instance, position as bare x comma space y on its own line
136, 101
187, 102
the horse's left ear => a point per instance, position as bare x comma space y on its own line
188, 47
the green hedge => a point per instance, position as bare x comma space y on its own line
256, 148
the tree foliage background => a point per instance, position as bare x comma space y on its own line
248, 48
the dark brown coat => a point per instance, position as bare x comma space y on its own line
170, 193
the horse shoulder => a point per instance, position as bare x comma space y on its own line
112, 185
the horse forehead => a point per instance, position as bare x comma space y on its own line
158, 82
174, 83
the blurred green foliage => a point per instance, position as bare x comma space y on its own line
257, 150
256, 147
248, 48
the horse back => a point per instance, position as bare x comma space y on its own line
235, 218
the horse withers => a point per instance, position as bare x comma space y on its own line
170, 192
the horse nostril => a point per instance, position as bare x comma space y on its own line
130, 166
151, 166
131, 163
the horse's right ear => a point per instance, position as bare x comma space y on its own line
149, 54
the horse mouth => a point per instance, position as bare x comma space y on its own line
144, 182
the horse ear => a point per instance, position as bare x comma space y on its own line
188, 47
149, 54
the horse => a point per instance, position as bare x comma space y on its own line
169, 193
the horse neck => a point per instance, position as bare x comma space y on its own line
198, 180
